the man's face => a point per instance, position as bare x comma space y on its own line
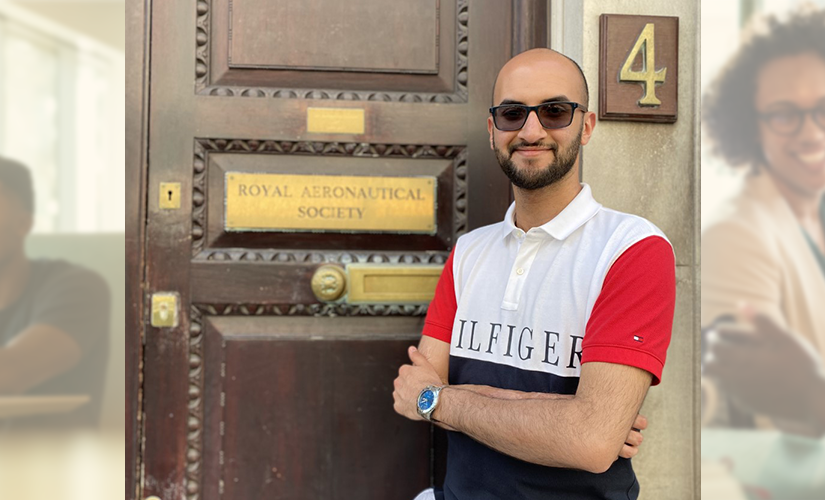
15, 223
534, 157
785, 87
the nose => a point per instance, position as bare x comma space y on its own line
532, 131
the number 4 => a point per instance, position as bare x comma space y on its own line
648, 75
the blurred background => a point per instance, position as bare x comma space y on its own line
62, 90
763, 284
723, 26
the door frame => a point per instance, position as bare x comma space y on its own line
137, 120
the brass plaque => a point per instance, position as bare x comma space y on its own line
369, 283
639, 68
337, 203
335, 121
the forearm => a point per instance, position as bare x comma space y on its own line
495, 392
518, 427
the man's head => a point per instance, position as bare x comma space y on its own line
16, 208
534, 156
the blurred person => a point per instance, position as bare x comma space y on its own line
548, 328
54, 316
763, 256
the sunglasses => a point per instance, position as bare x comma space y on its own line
551, 115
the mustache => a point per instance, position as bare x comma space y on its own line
522, 144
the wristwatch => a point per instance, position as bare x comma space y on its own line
427, 401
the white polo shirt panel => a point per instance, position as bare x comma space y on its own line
524, 299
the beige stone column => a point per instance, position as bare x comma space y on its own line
652, 170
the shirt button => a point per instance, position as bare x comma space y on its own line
519, 271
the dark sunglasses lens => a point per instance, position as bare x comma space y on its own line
555, 115
509, 118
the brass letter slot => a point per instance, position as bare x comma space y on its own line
369, 283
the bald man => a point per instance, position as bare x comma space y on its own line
548, 328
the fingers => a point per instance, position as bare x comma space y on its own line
634, 438
416, 357
628, 451
640, 423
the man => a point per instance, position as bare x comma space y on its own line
54, 316
549, 326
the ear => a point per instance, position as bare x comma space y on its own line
490, 128
588, 126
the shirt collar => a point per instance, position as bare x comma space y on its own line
575, 215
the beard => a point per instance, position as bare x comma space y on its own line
563, 161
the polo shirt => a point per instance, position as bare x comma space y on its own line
523, 311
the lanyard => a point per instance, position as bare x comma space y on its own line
817, 252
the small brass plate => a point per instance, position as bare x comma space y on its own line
165, 310
335, 121
285, 202
393, 284
328, 283
169, 196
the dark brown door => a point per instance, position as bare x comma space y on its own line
262, 390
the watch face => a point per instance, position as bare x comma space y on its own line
426, 400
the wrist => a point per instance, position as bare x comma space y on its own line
439, 414
427, 401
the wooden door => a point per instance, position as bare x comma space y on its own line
262, 390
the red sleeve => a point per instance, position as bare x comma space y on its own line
632, 319
441, 313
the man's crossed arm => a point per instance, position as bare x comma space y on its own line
586, 431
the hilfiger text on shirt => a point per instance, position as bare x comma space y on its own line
500, 340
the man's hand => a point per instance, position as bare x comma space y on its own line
634, 438
411, 380
769, 370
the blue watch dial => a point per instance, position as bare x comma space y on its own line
426, 400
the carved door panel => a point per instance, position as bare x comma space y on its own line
261, 390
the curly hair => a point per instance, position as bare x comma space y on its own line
729, 110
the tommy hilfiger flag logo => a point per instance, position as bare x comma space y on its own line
638, 339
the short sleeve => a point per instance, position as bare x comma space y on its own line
76, 301
441, 313
632, 319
